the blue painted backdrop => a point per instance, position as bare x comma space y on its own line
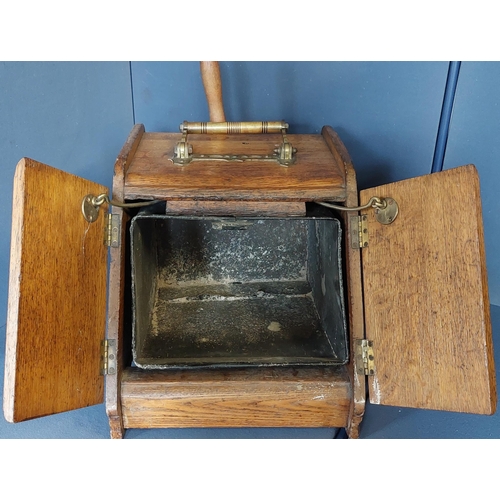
76, 116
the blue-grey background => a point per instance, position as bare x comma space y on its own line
76, 116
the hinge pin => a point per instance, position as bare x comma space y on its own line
104, 357
112, 231
108, 357
365, 357
359, 231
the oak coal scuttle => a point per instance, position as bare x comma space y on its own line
241, 292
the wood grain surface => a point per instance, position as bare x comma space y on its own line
116, 315
426, 296
263, 397
124, 159
237, 208
315, 176
57, 296
116, 288
354, 290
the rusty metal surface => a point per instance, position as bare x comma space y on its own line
228, 291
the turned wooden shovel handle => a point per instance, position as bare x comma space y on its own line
210, 75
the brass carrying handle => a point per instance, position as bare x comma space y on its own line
183, 151
234, 127
210, 75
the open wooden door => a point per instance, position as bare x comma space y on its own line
426, 296
57, 296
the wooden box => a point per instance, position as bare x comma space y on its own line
414, 291
416, 295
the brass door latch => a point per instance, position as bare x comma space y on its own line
386, 209
91, 205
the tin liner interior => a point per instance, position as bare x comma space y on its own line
236, 292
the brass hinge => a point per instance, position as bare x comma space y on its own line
112, 231
365, 360
108, 357
359, 231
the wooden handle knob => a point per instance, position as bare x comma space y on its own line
210, 75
